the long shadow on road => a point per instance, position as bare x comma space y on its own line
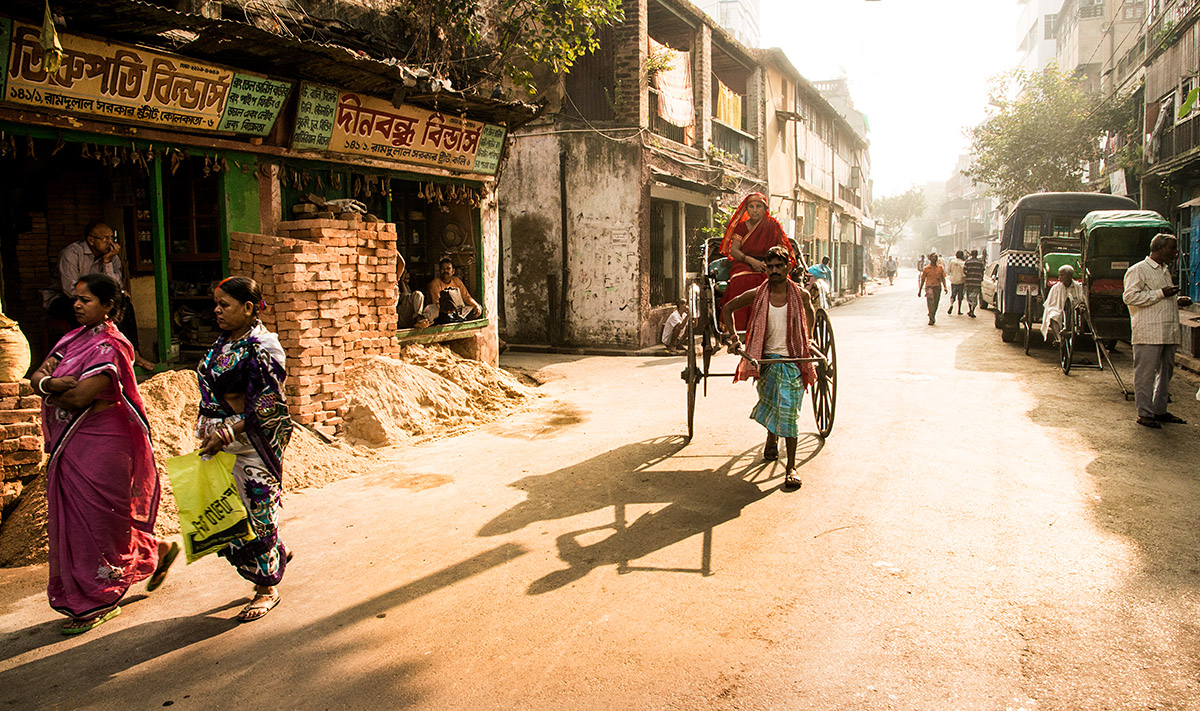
697, 501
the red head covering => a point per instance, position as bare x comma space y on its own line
769, 223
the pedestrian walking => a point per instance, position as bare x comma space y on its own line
243, 412
1154, 304
954, 271
780, 325
973, 281
890, 268
932, 282
102, 486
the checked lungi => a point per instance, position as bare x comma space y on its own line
780, 392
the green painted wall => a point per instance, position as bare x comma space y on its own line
241, 193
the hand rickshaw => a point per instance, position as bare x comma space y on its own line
1112, 241
1052, 254
704, 314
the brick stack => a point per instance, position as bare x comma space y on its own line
328, 285
20, 439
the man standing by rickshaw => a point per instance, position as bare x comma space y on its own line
1154, 304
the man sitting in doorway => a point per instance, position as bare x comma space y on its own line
674, 328
96, 253
453, 300
411, 311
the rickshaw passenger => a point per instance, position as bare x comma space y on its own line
750, 233
1056, 301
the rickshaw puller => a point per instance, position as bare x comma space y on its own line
780, 326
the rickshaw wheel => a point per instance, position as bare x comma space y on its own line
1028, 321
824, 395
708, 337
1066, 338
691, 375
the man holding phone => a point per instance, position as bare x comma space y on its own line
1154, 303
96, 253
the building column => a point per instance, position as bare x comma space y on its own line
703, 87
629, 76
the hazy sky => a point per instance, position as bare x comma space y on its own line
917, 68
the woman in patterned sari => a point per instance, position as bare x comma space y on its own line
101, 483
243, 412
750, 233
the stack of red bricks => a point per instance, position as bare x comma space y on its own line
328, 284
20, 439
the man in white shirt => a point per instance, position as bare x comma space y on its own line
1154, 315
675, 327
1056, 302
958, 281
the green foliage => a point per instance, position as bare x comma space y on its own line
894, 212
659, 61
1041, 131
481, 42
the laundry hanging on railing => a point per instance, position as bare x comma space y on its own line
674, 84
729, 105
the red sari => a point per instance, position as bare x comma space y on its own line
767, 234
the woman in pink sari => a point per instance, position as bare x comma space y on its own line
101, 483
750, 233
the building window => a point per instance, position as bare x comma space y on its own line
665, 255
810, 219
800, 166
1050, 26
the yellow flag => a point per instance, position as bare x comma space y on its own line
52, 49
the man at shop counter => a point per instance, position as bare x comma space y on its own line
96, 253
450, 294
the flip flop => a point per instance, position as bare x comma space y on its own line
164, 565
258, 607
81, 626
1171, 419
1149, 422
792, 479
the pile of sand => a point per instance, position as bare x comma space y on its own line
429, 392
172, 400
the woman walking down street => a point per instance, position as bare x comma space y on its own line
102, 485
243, 412
750, 233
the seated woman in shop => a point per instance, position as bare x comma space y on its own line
411, 311
454, 302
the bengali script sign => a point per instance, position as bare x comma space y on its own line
132, 84
345, 122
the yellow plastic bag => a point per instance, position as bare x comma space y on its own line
211, 514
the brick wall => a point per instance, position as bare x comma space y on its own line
20, 439
328, 286
629, 39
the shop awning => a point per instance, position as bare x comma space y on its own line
245, 46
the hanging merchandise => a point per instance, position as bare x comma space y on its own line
29, 149
335, 181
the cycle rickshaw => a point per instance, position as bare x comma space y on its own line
1112, 241
704, 314
1052, 253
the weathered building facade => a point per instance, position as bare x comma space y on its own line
818, 169
606, 200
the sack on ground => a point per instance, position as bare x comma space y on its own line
211, 514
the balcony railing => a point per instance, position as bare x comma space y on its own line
739, 144
1168, 14
1178, 139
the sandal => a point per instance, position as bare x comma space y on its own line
76, 626
1171, 419
1149, 422
164, 565
771, 452
259, 607
792, 479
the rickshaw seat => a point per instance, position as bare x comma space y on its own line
718, 269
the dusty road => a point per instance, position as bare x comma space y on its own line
979, 532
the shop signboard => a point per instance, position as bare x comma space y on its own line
131, 84
329, 119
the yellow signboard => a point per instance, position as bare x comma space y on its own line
132, 84
345, 122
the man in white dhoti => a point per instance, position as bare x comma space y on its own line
1056, 302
